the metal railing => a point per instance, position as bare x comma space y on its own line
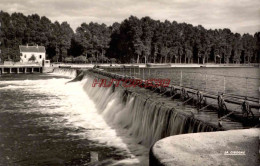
235, 86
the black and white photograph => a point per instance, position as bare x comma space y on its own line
129, 83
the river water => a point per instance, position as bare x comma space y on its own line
235, 81
44, 121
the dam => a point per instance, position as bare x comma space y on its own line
110, 125
152, 114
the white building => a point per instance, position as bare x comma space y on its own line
32, 54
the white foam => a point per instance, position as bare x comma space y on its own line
79, 111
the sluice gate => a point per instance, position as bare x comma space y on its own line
20, 69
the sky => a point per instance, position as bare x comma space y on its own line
242, 16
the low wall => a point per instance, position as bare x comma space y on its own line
233, 147
47, 69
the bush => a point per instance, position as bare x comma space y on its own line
80, 59
113, 60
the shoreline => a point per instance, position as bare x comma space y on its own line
158, 65
140, 65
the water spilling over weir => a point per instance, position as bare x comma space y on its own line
57, 120
65, 72
145, 119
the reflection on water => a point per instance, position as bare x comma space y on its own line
44, 121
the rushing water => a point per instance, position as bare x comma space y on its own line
44, 121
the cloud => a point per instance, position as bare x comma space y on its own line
241, 16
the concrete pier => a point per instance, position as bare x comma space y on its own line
233, 147
47, 69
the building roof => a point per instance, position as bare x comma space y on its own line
40, 49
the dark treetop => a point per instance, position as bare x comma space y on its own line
133, 40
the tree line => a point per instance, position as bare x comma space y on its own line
133, 40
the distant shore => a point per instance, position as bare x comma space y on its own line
154, 65
141, 65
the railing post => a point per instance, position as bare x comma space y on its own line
143, 73
130, 71
206, 79
224, 84
181, 79
246, 86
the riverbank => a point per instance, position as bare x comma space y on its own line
153, 65
22, 68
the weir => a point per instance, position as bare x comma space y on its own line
65, 72
149, 116
244, 109
146, 119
